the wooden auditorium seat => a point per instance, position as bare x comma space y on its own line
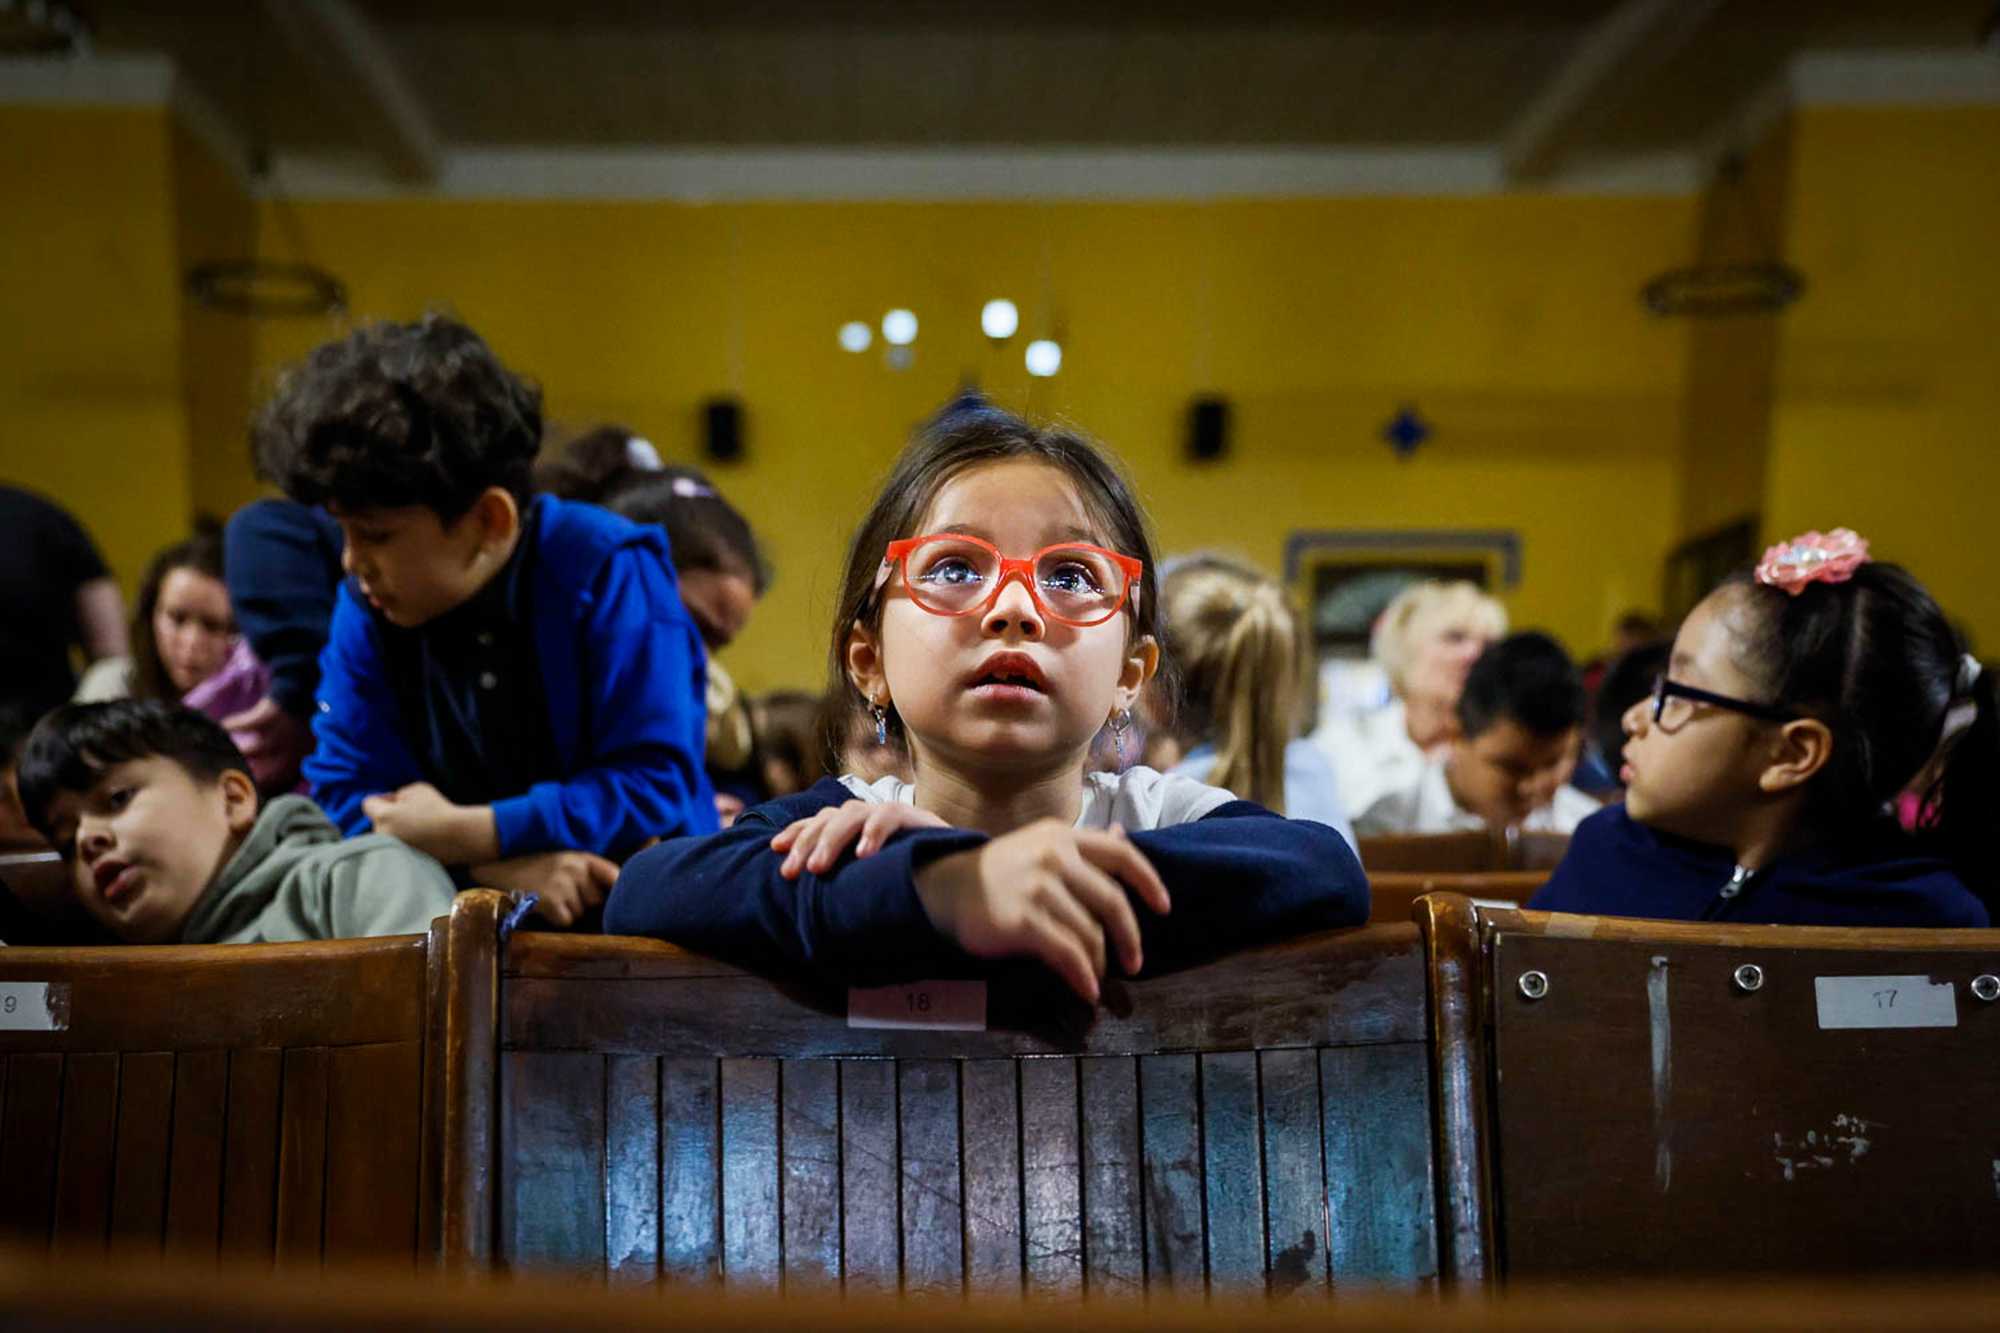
1393, 895
257, 1101
1679, 1100
1472, 852
1260, 1123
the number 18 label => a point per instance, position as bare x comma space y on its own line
946, 1006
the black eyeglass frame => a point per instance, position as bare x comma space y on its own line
1664, 689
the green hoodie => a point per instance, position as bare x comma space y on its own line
295, 879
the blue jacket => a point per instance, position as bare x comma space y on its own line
624, 674
1617, 866
1237, 877
282, 559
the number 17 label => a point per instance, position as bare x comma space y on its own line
1885, 1002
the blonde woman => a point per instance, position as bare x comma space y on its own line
1426, 641
1237, 643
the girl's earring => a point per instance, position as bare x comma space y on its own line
1121, 722
881, 723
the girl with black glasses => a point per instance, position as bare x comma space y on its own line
1799, 702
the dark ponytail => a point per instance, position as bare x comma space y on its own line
1877, 661
1963, 801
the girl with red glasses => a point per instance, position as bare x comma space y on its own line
1798, 703
998, 611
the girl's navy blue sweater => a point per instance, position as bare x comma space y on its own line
1240, 876
1617, 866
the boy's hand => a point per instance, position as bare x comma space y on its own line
1048, 891
817, 841
570, 883
421, 816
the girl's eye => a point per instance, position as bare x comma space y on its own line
950, 570
1070, 578
118, 798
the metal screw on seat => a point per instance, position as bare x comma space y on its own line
1534, 985
1749, 977
1987, 987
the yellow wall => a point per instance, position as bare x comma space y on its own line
213, 220
90, 374
1510, 322
1887, 404
1726, 411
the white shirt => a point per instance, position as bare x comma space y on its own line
1137, 799
1427, 806
1373, 758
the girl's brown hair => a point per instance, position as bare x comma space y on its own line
201, 553
1236, 641
967, 437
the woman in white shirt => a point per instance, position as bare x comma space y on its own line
1426, 640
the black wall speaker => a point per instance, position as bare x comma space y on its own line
722, 430
1208, 429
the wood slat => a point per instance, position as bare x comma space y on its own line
1232, 1170
871, 1252
194, 1178
1294, 1186
989, 1092
810, 1134
29, 1128
632, 1168
752, 1242
83, 1165
552, 1142
250, 1154
374, 1098
1380, 1184
690, 1171
933, 1222
301, 1199
145, 1126
1113, 1223
1052, 1178
1171, 1183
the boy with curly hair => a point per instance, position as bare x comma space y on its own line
511, 682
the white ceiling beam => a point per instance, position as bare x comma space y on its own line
339, 43
1636, 36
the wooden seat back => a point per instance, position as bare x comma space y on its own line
1469, 852
258, 1101
1393, 896
1677, 1099
1259, 1123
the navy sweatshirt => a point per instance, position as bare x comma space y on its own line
282, 560
1617, 866
1239, 876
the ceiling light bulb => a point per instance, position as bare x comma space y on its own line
855, 336
998, 319
899, 328
1044, 357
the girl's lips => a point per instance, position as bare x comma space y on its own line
1625, 774
995, 692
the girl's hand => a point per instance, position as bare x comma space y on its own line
1047, 891
817, 841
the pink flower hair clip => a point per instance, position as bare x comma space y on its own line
1813, 557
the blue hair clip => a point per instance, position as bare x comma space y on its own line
523, 905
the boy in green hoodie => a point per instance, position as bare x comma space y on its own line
155, 814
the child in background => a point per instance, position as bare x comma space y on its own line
1520, 727
998, 609
790, 754
510, 682
1798, 702
1235, 641
155, 815
183, 631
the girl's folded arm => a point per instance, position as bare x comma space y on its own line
722, 895
1242, 876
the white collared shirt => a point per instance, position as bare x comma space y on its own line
1139, 798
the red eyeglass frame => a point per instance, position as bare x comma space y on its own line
898, 556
